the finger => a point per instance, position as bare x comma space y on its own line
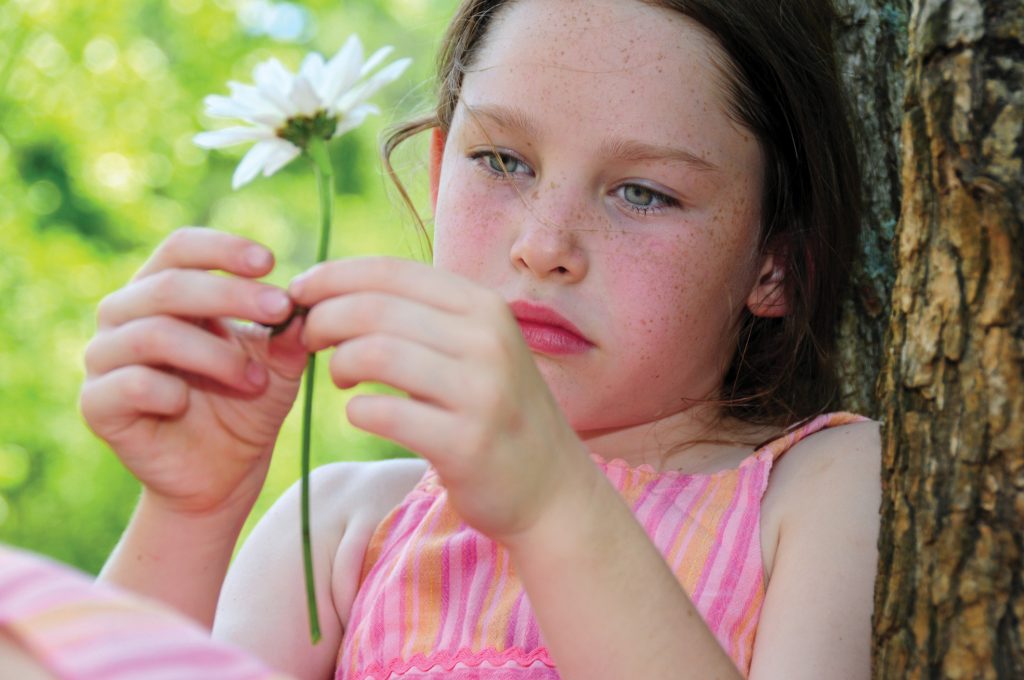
115, 400
194, 294
283, 354
166, 341
338, 319
408, 278
424, 373
202, 248
426, 429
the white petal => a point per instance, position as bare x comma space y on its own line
378, 56
274, 82
273, 120
304, 98
283, 154
250, 96
367, 89
342, 70
274, 73
254, 162
261, 110
354, 118
227, 107
217, 139
313, 69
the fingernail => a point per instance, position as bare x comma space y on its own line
257, 257
273, 301
295, 287
255, 374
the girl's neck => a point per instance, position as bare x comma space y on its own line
696, 440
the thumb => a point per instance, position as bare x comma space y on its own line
286, 354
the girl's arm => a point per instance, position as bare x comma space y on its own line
610, 607
816, 620
176, 558
263, 607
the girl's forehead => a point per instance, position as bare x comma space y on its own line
598, 35
621, 68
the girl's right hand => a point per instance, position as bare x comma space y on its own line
189, 399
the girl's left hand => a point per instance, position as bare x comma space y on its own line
477, 407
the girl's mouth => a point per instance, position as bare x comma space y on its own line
548, 332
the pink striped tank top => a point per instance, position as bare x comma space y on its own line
440, 600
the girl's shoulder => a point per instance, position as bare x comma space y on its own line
380, 485
261, 608
348, 497
827, 482
820, 524
349, 501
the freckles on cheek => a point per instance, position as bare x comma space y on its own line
464, 236
652, 282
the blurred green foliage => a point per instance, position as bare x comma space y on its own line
98, 106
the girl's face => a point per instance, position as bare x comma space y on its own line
592, 169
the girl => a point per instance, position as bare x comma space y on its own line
641, 214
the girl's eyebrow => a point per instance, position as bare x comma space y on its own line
512, 118
632, 150
508, 117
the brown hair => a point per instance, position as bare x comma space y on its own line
783, 85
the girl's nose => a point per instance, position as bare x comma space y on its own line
548, 249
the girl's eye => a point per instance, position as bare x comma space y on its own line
644, 200
499, 163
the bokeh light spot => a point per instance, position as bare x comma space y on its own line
37, 8
48, 54
186, 152
100, 54
44, 197
284, 21
23, 83
115, 171
147, 59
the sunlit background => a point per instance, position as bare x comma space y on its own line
98, 105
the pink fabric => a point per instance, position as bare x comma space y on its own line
80, 630
440, 600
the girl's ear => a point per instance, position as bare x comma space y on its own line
768, 297
437, 140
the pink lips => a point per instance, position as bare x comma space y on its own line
548, 332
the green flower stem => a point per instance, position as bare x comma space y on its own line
317, 151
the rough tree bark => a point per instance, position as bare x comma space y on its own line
872, 48
949, 600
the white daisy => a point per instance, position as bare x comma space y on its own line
284, 110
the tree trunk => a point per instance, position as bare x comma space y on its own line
949, 599
872, 48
